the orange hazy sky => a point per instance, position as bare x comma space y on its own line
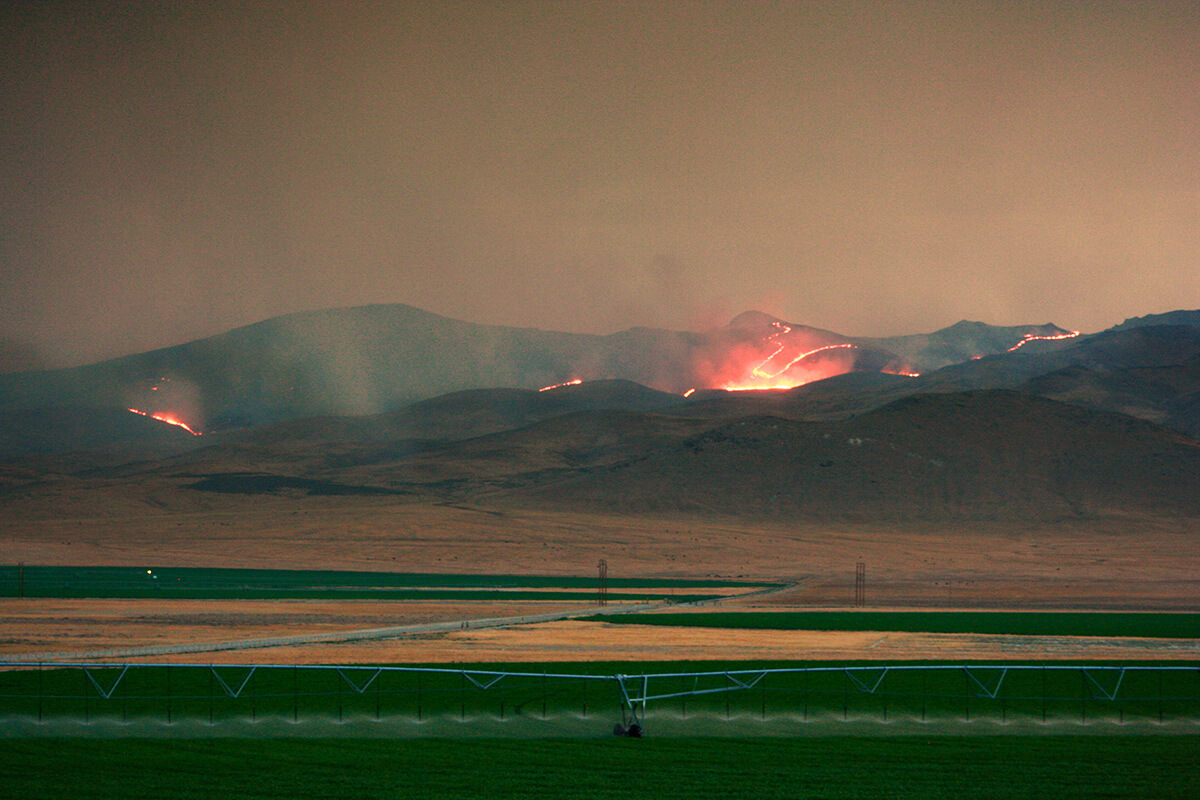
175, 169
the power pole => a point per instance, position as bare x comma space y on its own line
860, 584
603, 566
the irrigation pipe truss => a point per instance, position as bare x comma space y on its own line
636, 691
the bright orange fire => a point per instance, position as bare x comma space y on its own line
167, 418
782, 370
575, 382
1030, 337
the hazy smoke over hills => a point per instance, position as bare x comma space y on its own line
173, 169
1029, 422
376, 358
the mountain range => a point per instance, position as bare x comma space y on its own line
373, 359
973, 421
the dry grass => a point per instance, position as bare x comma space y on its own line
1145, 564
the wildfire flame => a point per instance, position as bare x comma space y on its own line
1030, 337
575, 382
769, 374
765, 354
167, 418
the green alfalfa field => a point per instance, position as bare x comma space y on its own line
955, 767
135, 749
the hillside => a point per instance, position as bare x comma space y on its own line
1056, 428
978, 455
966, 340
991, 455
1149, 372
377, 359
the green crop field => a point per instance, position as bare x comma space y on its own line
956, 768
485, 730
687, 694
183, 583
1021, 623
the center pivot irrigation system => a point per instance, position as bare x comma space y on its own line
177, 692
981, 682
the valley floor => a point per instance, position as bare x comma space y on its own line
1144, 564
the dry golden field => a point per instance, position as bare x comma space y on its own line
1125, 564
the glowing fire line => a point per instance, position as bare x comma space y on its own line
167, 419
783, 330
800, 357
763, 372
575, 382
1029, 337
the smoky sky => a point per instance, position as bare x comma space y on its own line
173, 170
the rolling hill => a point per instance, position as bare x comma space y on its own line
1044, 427
976, 455
980, 455
375, 359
